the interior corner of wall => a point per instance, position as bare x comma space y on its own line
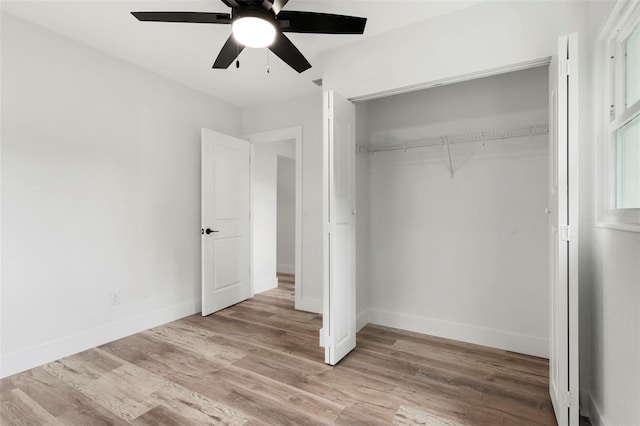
593, 410
362, 319
308, 305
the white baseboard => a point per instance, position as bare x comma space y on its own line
530, 345
264, 285
595, 413
287, 269
584, 403
35, 356
362, 319
309, 305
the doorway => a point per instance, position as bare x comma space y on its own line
273, 212
286, 220
276, 206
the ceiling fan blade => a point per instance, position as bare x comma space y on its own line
228, 53
274, 6
288, 52
191, 17
231, 3
320, 23
278, 5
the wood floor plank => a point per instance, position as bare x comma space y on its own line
203, 410
162, 416
90, 413
495, 378
494, 364
195, 339
364, 413
438, 392
259, 363
81, 369
68, 405
412, 416
303, 402
125, 398
156, 391
52, 394
19, 409
292, 324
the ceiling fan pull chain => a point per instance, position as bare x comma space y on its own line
237, 56
268, 68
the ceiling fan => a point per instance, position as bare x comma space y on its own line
262, 23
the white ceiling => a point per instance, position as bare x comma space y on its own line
185, 52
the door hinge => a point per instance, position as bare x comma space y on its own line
567, 233
568, 399
323, 338
566, 67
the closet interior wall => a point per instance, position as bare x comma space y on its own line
462, 257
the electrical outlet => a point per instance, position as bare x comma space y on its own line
114, 298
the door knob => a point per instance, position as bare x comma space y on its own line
207, 231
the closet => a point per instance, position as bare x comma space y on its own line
452, 187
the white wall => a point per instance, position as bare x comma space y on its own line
305, 111
264, 218
100, 192
286, 212
615, 324
610, 300
490, 35
462, 257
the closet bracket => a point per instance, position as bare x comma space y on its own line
450, 162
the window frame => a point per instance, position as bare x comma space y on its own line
624, 20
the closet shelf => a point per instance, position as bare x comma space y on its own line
486, 135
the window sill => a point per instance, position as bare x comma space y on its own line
621, 220
628, 227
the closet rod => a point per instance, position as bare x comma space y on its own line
486, 135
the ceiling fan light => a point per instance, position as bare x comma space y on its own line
251, 31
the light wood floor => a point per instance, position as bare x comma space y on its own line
258, 362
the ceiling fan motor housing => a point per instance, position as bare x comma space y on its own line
254, 12
253, 26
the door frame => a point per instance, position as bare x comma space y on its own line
277, 135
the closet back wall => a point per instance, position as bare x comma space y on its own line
462, 257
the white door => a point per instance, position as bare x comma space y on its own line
563, 237
225, 221
339, 278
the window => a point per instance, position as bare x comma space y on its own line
628, 165
632, 68
620, 192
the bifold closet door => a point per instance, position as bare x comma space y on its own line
338, 334
563, 238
